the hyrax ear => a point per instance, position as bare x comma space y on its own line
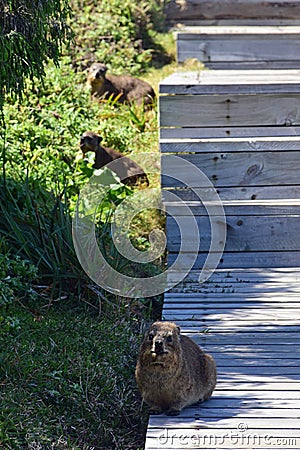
99, 139
178, 329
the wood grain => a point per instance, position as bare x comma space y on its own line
230, 110
259, 45
234, 11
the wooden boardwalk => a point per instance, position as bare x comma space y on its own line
241, 130
249, 320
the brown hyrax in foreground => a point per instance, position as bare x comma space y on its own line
172, 371
123, 88
127, 170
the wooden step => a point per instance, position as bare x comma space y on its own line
240, 129
235, 47
216, 12
254, 179
254, 338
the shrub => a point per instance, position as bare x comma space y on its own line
16, 276
119, 33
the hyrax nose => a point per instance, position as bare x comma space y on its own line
158, 346
99, 74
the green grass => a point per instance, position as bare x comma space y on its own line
67, 379
67, 347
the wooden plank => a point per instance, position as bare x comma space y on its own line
230, 110
256, 331
226, 323
283, 326
255, 51
230, 315
290, 386
257, 395
265, 363
243, 65
225, 408
243, 259
277, 233
239, 303
232, 294
234, 31
276, 207
252, 337
244, 404
271, 336
231, 83
234, 193
230, 144
234, 169
236, 10
254, 348
249, 340
236, 292
281, 374
274, 133
204, 438
240, 44
225, 301
251, 275
209, 422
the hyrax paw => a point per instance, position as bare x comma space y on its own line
173, 412
155, 410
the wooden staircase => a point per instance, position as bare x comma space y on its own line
229, 12
240, 128
237, 34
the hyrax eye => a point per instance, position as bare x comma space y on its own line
151, 336
169, 339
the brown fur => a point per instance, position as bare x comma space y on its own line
123, 88
172, 371
128, 171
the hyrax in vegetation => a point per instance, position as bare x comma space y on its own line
127, 170
172, 371
122, 88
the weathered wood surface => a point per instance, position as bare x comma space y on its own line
209, 154
248, 317
232, 144
240, 47
241, 134
232, 11
231, 98
222, 82
243, 259
231, 110
256, 177
228, 169
253, 331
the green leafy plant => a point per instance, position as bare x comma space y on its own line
31, 33
119, 33
16, 277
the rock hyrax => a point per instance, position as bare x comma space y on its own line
123, 88
127, 170
172, 371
